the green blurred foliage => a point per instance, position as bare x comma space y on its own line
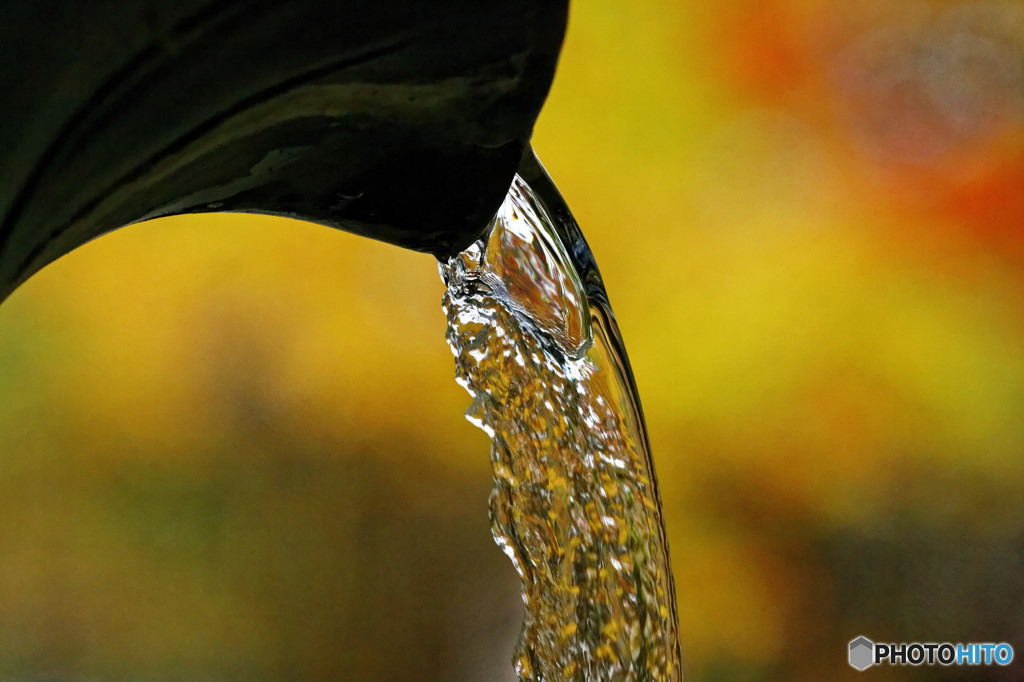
232, 448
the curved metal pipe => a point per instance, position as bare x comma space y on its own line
402, 120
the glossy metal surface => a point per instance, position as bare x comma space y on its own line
401, 120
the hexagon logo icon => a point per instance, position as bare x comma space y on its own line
862, 653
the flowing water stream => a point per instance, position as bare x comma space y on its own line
575, 503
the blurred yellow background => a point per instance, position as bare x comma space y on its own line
232, 447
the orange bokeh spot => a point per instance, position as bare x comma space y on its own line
991, 205
762, 53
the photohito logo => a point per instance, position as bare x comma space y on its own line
864, 653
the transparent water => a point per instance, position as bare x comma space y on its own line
575, 503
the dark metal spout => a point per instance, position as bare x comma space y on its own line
401, 120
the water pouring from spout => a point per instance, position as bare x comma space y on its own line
575, 503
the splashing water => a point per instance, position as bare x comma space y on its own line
575, 503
